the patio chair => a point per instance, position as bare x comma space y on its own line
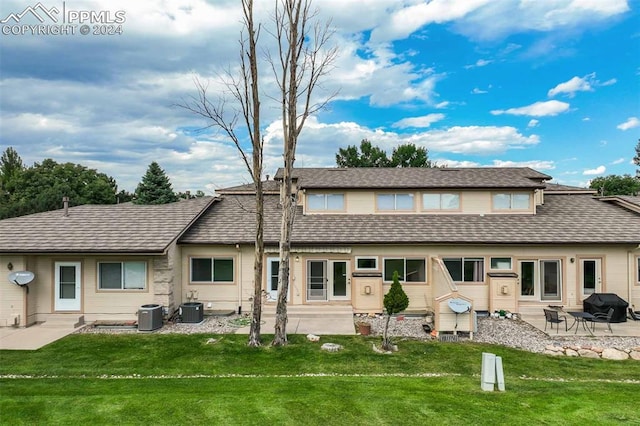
602, 318
553, 317
634, 315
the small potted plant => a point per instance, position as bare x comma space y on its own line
364, 327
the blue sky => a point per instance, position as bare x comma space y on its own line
553, 85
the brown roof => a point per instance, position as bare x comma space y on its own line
268, 186
632, 202
114, 228
557, 187
399, 178
563, 219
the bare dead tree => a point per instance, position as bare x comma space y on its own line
244, 89
304, 57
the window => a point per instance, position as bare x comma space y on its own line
211, 270
367, 263
638, 276
409, 270
511, 201
442, 201
465, 269
394, 201
325, 201
122, 275
501, 263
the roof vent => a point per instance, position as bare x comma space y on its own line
65, 204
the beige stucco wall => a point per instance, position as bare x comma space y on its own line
96, 304
12, 297
617, 274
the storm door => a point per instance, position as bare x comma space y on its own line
67, 286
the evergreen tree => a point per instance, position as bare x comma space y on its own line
155, 187
396, 300
636, 159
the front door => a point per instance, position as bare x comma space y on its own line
68, 286
273, 264
590, 276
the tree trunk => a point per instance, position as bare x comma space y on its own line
255, 338
386, 343
280, 332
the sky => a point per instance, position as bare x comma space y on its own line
553, 85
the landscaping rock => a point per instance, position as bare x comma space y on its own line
615, 354
313, 338
571, 352
587, 353
331, 347
635, 355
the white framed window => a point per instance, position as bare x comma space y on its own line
409, 269
212, 270
367, 263
394, 202
441, 201
333, 202
122, 275
638, 269
465, 269
511, 201
501, 263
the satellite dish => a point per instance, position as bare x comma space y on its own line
21, 277
459, 306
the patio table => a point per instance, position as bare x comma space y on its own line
581, 317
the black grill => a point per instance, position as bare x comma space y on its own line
602, 302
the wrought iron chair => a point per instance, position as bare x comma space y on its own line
553, 317
603, 318
634, 315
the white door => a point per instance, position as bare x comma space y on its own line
273, 264
590, 276
68, 286
339, 280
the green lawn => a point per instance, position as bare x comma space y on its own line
180, 379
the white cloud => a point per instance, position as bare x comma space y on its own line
586, 119
442, 105
579, 84
534, 164
618, 161
424, 121
533, 123
538, 109
479, 63
576, 84
629, 124
477, 91
597, 171
403, 22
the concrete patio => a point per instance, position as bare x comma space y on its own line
630, 328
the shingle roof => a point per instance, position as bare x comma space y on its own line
563, 219
399, 178
121, 228
556, 187
268, 186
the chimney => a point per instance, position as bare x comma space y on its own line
65, 203
188, 194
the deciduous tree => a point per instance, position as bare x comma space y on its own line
245, 92
616, 185
304, 58
406, 155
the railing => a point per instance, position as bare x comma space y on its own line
442, 282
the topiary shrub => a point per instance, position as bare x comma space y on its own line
396, 300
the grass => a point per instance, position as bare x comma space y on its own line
178, 379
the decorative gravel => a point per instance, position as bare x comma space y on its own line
513, 333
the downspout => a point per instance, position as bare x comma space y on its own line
239, 279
